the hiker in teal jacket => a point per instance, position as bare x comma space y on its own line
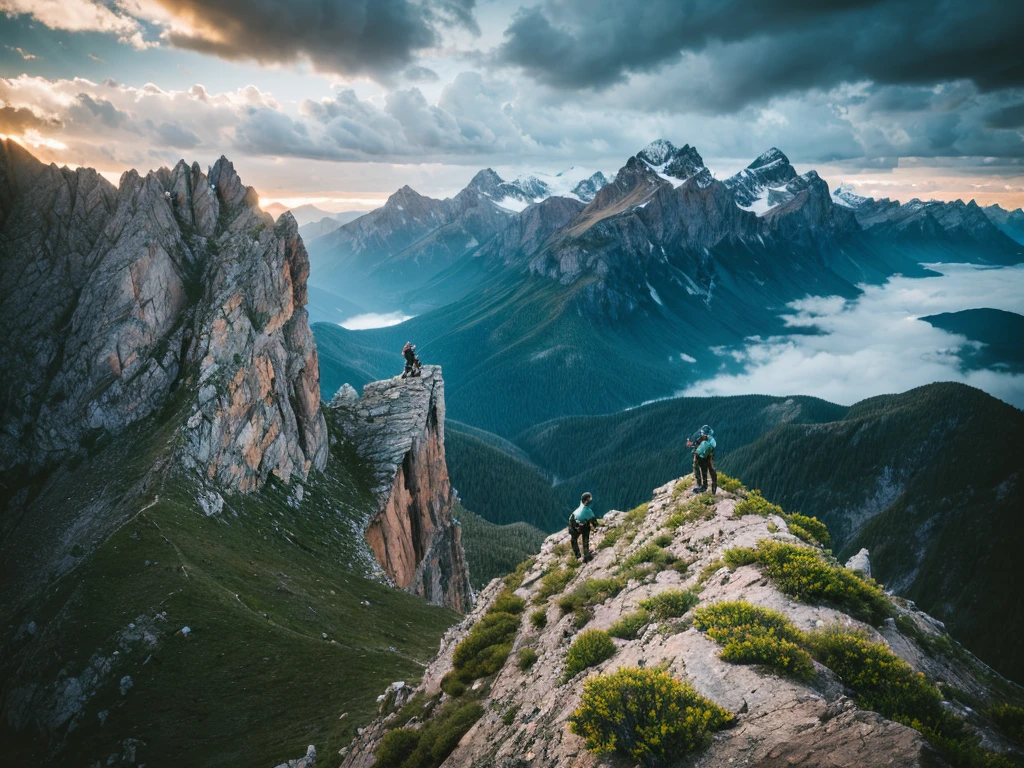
581, 521
704, 460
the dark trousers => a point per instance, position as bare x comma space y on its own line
702, 468
576, 531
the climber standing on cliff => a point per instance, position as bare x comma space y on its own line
412, 363
704, 460
581, 522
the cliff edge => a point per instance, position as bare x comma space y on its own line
398, 425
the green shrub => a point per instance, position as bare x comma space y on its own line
590, 592
670, 604
510, 715
539, 618
663, 540
730, 484
507, 602
739, 556
811, 528
682, 486
646, 715
751, 634
629, 626
805, 574
610, 538
589, 649
515, 579
756, 504
1010, 720
554, 582
527, 658
699, 508
651, 553
429, 746
882, 680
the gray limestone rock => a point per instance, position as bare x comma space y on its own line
860, 562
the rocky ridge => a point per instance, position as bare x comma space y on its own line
780, 720
114, 300
398, 425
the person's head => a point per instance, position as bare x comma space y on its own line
586, 498
705, 430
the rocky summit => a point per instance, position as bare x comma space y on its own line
726, 598
398, 424
116, 300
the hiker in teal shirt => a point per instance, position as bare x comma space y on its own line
580, 524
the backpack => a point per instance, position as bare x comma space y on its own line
707, 448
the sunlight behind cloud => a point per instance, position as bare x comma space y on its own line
374, 320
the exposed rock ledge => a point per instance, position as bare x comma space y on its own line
398, 424
780, 721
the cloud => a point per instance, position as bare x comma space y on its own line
80, 16
18, 120
876, 344
752, 50
1007, 117
24, 54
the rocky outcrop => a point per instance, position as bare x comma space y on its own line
114, 300
780, 721
398, 424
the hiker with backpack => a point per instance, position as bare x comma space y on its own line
581, 522
704, 460
412, 363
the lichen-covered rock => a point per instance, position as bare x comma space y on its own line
398, 424
113, 298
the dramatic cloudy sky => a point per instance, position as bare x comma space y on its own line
342, 101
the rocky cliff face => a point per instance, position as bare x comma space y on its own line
781, 720
114, 301
398, 424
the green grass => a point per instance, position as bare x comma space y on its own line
259, 585
429, 746
527, 658
699, 508
553, 583
484, 650
590, 593
493, 550
756, 504
539, 618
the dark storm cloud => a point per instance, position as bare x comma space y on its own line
769, 47
1007, 117
350, 37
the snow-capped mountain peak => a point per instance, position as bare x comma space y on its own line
845, 196
676, 165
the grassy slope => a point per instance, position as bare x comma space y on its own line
242, 689
495, 550
939, 466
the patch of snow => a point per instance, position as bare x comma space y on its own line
654, 295
472, 243
512, 204
759, 207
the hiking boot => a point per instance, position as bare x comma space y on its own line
587, 557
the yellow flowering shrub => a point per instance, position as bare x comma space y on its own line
647, 715
751, 634
805, 574
882, 680
756, 504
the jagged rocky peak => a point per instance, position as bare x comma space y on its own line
587, 188
768, 181
398, 424
682, 163
486, 182
845, 195
116, 299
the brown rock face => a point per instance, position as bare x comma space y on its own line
399, 425
111, 298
